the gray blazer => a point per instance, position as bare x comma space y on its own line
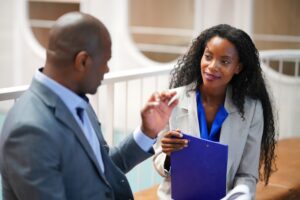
44, 154
243, 138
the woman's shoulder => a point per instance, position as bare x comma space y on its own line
253, 106
250, 103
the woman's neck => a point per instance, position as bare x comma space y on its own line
212, 97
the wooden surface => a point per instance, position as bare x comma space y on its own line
149, 194
283, 185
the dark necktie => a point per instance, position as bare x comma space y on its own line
91, 136
79, 112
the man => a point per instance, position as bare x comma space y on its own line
51, 146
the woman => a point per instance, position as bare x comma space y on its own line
222, 97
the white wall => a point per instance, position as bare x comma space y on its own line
18, 58
6, 41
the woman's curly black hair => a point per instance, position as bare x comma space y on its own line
248, 83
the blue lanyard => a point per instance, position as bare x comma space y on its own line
221, 115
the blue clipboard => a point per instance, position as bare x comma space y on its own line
198, 172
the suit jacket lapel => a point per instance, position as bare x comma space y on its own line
193, 114
187, 112
62, 113
227, 126
96, 124
103, 146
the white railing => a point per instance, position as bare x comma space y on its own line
281, 68
279, 58
113, 104
12, 93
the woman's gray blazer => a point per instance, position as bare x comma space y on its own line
243, 138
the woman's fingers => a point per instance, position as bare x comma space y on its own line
174, 134
173, 141
174, 146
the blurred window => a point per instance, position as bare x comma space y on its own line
43, 13
276, 24
162, 29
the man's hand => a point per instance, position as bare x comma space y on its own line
155, 114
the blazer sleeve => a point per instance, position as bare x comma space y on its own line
32, 165
160, 157
247, 172
128, 154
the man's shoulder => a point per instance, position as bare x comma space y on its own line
27, 101
28, 109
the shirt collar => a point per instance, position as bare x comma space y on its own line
186, 100
220, 117
71, 99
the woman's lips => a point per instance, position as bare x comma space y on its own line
211, 77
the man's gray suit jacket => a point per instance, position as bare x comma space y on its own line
45, 155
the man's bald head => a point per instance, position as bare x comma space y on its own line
72, 33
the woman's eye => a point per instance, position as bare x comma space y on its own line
207, 57
226, 62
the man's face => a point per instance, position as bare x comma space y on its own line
97, 66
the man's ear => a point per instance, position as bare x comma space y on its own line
80, 61
239, 68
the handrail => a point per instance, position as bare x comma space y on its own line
12, 92
136, 73
277, 54
112, 77
286, 55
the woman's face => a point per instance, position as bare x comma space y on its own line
219, 63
